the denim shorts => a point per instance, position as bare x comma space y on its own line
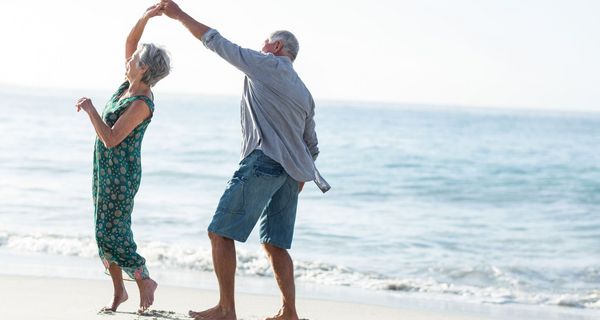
259, 190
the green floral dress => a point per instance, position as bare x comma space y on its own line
117, 175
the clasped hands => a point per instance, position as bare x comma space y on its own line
168, 7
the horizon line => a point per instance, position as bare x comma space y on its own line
355, 102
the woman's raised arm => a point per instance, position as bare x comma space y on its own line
138, 29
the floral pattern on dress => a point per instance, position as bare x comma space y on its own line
117, 175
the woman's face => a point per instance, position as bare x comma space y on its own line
133, 71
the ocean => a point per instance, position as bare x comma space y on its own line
480, 207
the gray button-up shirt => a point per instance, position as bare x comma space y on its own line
277, 110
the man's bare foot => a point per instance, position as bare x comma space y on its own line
216, 313
147, 288
117, 300
284, 314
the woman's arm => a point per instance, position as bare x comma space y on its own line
135, 114
138, 29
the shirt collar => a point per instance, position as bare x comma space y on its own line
284, 58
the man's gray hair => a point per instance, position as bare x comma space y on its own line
290, 42
156, 59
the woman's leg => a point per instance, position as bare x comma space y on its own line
147, 288
120, 294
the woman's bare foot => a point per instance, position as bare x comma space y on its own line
284, 314
119, 293
216, 313
117, 300
147, 288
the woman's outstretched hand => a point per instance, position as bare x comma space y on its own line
153, 11
84, 104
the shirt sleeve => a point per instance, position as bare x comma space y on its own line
246, 60
310, 135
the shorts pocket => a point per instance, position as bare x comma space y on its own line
265, 166
233, 198
269, 170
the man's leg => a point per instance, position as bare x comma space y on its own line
283, 268
277, 231
245, 198
224, 262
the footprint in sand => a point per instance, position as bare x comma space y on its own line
162, 314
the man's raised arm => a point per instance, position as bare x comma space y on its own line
248, 61
172, 10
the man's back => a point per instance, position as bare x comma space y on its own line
277, 109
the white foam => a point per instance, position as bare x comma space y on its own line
52, 244
167, 256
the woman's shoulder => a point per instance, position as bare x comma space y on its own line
140, 99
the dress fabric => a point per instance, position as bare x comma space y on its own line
117, 176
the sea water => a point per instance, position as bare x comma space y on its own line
474, 205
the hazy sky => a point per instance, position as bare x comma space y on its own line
506, 53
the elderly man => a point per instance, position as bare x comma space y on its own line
278, 152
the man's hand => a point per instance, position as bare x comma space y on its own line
171, 9
155, 10
300, 186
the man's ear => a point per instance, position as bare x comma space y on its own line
278, 45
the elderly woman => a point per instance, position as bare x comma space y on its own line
117, 162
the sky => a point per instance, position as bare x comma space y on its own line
503, 53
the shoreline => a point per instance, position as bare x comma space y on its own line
31, 277
49, 298
29, 297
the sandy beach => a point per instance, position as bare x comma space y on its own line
26, 297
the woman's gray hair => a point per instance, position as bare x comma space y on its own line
157, 60
290, 42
